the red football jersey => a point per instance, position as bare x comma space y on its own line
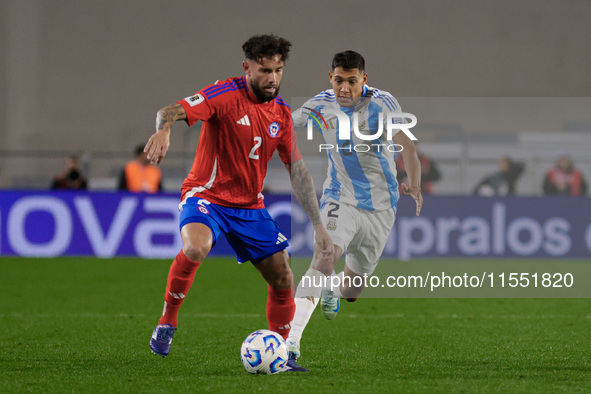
238, 138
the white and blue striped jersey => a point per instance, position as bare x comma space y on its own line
361, 173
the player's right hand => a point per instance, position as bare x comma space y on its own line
323, 243
415, 193
157, 146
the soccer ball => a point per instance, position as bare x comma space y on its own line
264, 352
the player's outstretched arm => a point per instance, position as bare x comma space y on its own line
412, 165
159, 142
303, 187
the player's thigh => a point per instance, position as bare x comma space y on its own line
366, 248
253, 234
197, 240
276, 271
199, 227
340, 222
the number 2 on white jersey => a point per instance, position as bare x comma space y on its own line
259, 141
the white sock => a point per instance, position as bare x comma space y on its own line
307, 297
304, 309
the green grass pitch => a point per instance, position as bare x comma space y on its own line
83, 325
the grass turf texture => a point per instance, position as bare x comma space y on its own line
83, 325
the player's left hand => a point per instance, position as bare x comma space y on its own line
415, 193
323, 243
157, 146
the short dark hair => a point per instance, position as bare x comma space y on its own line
348, 60
266, 45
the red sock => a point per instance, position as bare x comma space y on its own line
280, 310
180, 279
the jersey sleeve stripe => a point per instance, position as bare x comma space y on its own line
393, 103
217, 93
216, 88
389, 99
388, 104
386, 100
281, 102
236, 84
213, 88
209, 92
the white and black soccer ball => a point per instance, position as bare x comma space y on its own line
264, 352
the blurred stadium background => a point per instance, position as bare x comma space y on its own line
486, 79
87, 78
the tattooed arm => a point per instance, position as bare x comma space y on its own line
303, 187
159, 142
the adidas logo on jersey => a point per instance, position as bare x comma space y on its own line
244, 121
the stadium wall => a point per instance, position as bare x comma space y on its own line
49, 224
80, 76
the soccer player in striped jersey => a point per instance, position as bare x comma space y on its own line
358, 204
244, 123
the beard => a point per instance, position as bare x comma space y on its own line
263, 96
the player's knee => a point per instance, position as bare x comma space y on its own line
276, 270
324, 266
196, 252
281, 278
284, 280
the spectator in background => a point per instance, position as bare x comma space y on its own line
429, 171
502, 182
564, 179
139, 175
71, 177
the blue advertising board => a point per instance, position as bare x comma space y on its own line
109, 224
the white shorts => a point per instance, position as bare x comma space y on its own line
361, 233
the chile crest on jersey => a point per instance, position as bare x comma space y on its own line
273, 129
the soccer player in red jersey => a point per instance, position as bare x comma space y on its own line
244, 122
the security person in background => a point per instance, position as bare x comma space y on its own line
139, 175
